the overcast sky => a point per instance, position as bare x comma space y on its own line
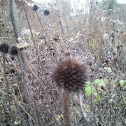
120, 1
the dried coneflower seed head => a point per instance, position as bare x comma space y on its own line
35, 7
70, 74
4, 47
13, 50
46, 12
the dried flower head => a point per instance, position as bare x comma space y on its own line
46, 12
70, 73
13, 50
35, 7
4, 47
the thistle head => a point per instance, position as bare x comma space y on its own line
35, 7
13, 50
46, 12
70, 73
4, 47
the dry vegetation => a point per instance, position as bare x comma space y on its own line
95, 34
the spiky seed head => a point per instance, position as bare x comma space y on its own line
13, 50
46, 12
70, 73
4, 47
35, 7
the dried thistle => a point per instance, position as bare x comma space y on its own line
70, 73
4, 47
13, 50
35, 7
46, 12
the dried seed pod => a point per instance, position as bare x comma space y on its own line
13, 50
46, 12
35, 7
70, 73
4, 47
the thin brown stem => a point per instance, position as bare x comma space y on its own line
66, 108
37, 52
7, 86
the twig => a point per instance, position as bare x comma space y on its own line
17, 33
31, 35
43, 87
7, 86
84, 114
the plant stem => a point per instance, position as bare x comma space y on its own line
66, 108
7, 86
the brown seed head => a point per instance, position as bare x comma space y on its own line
13, 50
4, 47
70, 73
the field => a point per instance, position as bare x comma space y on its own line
40, 38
